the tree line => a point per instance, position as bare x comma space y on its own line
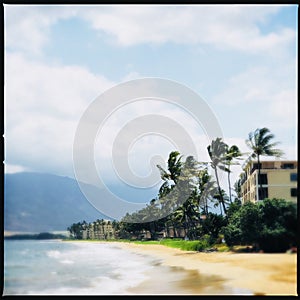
187, 199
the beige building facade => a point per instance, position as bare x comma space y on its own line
278, 178
99, 230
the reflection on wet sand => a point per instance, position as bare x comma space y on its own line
164, 280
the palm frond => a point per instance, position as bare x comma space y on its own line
223, 168
163, 174
260, 143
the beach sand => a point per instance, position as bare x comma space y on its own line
218, 273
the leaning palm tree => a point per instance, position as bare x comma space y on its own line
206, 189
170, 178
259, 142
174, 167
217, 153
232, 153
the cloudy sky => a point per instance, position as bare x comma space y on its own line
241, 60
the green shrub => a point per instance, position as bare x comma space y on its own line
272, 223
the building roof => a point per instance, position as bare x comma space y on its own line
249, 161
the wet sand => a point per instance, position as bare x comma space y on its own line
216, 273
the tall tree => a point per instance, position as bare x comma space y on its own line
206, 189
218, 197
260, 142
174, 167
238, 189
217, 152
170, 178
178, 192
232, 153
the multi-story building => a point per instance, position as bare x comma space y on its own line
278, 179
99, 230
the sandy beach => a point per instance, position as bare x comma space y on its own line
257, 273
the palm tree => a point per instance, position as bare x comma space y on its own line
259, 141
170, 177
174, 167
206, 189
238, 188
231, 153
178, 187
217, 153
221, 198
115, 228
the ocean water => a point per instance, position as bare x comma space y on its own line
52, 267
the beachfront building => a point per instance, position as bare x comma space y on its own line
278, 178
99, 230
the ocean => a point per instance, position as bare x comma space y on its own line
53, 267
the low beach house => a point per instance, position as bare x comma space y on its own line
278, 179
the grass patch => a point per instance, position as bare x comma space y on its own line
179, 244
222, 247
198, 245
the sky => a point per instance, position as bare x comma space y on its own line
240, 59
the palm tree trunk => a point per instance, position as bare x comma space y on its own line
174, 228
187, 225
167, 228
191, 222
259, 179
220, 192
192, 228
229, 185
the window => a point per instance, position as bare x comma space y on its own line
294, 192
288, 166
263, 193
263, 179
294, 177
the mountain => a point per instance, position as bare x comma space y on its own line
36, 202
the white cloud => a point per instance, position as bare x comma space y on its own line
237, 27
44, 102
253, 84
27, 27
284, 106
223, 26
156, 142
131, 76
39, 88
42, 110
43, 105
268, 90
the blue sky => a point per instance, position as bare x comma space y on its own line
241, 59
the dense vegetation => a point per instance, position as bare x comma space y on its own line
270, 225
183, 209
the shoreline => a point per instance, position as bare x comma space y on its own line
259, 273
